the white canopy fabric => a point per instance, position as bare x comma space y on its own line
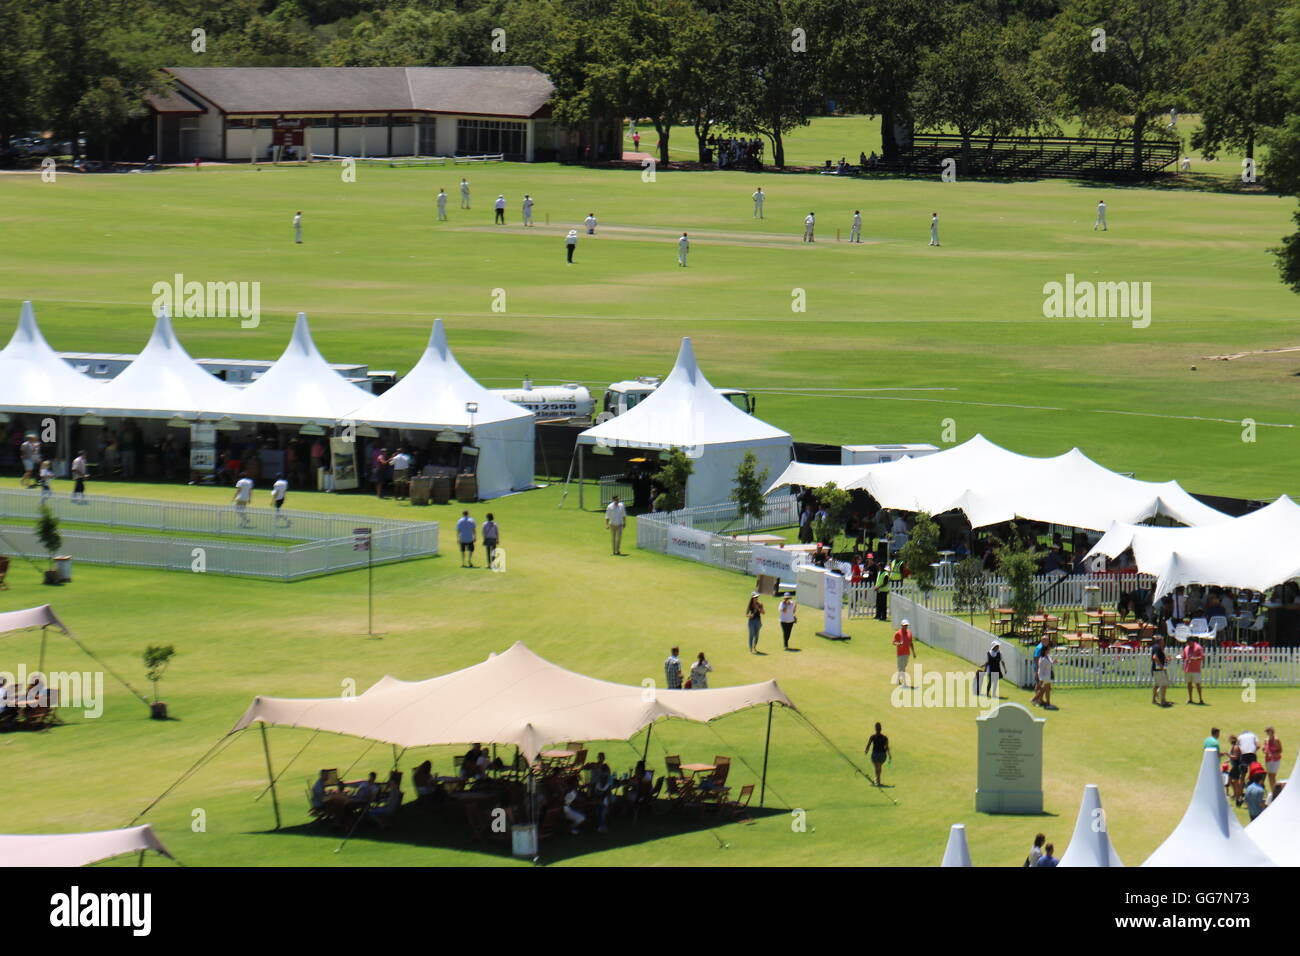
77, 849
1276, 831
1209, 834
1256, 551
1090, 845
957, 852
992, 485
433, 396
686, 412
299, 388
32, 376
31, 617
163, 374
514, 697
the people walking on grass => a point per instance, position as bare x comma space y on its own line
1049, 856
500, 206
1036, 851
297, 227
243, 497
1235, 768
30, 453
788, 616
878, 748
44, 477
1193, 658
442, 205
491, 537
615, 520
570, 244
1101, 216
80, 471
758, 202
700, 673
1043, 671
995, 668
464, 193
528, 210
1272, 756
934, 228
683, 247
903, 650
278, 491
465, 534
1159, 673
809, 224
754, 619
673, 671
855, 231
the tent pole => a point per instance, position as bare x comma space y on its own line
645, 757
581, 462
767, 746
275, 801
44, 635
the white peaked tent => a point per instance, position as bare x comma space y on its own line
1276, 831
991, 485
686, 412
957, 852
77, 849
300, 387
32, 376
1256, 551
433, 397
163, 374
1209, 834
1090, 845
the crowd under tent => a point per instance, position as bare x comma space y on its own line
992, 485
1255, 551
458, 423
1209, 833
33, 379
1276, 831
78, 849
1090, 846
687, 412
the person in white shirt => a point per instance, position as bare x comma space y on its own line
1249, 744
79, 473
700, 673
683, 247
787, 614
570, 244
464, 193
1101, 216
855, 231
758, 202
808, 223
528, 210
442, 205
297, 226
934, 228
243, 496
30, 453
278, 491
501, 209
1186, 164
45, 476
590, 223
574, 816
1173, 117
401, 463
615, 519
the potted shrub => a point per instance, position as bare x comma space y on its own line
156, 657
47, 532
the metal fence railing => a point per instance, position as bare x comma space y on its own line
1120, 666
319, 543
1055, 591
957, 637
654, 531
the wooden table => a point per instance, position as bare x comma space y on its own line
558, 754
696, 768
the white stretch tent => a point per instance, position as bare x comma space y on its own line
1256, 551
77, 849
686, 412
514, 697
957, 853
991, 485
299, 388
1209, 834
32, 376
1276, 831
1090, 845
163, 374
433, 395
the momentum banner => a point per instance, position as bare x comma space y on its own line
687, 542
777, 562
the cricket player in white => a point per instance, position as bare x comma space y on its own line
683, 247
809, 222
1186, 164
855, 233
590, 223
934, 228
297, 226
464, 193
758, 202
1101, 217
501, 209
442, 205
243, 497
278, 491
528, 210
1173, 117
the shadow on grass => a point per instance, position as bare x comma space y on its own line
447, 829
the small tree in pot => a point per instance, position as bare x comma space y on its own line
921, 552
47, 532
156, 657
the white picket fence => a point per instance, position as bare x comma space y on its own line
1125, 667
1056, 590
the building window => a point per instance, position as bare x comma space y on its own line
403, 121
320, 122
376, 121
350, 121
238, 122
475, 137
265, 122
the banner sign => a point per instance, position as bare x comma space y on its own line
288, 132
343, 455
362, 540
777, 562
833, 605
203, 448
685, 542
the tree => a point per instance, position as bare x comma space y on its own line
922, 551
47, 533
970, 586
1018, 563
835, 502
672, 479
1284, 143
750, 485
156, 658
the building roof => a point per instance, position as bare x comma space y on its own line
517, 91
174, 101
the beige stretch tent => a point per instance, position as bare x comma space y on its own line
77, 849
515, 698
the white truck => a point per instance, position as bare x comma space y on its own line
574, 402
622, 396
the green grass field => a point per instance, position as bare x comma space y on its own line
897, 337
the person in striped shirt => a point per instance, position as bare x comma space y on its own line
673, 671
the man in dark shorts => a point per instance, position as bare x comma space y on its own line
878, 748
465, 535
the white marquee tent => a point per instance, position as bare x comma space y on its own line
1209, 833
1256, 551
433, 396
991, 485
299, 388
1276, 831
686, 412
1090, 845
957, 853
77, 849
32, 376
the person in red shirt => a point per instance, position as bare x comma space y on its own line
1193, 656
1272, 757
904, 650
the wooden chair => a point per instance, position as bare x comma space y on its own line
1106, 627
740, 806
574, 745
579, 759
674, 763
721, 762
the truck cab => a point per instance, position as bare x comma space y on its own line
621, 397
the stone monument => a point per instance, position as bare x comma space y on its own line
1010, 761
